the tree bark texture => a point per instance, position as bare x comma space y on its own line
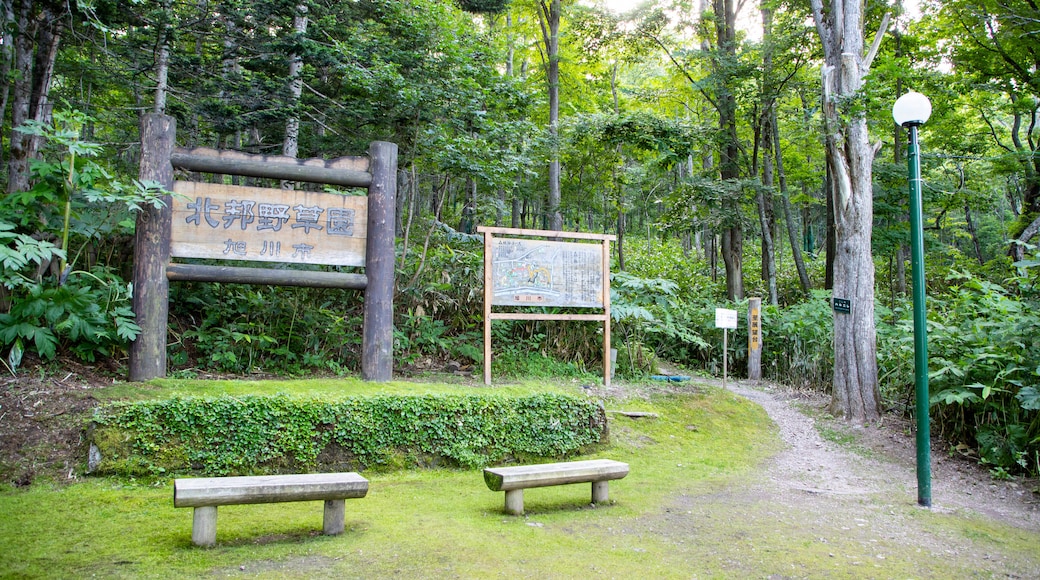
152, 252
765, 203
291, 143
35, 48
792, 229
549, 18
377, 344
849, 158
729, 168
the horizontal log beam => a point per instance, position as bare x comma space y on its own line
239, 275
545, 316
545, 233
346, 171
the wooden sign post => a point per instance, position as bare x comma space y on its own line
755, 339
519, 272
231, 222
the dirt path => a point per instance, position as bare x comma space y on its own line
881, 460
824, 509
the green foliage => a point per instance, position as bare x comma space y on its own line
439, 307
483, 6
983, 353
253, 434
92, 316
247, 328
74, 209
798, 342
649, 316
520, 349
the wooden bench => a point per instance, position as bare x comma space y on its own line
513, 480
206, 493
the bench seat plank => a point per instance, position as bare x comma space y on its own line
217, 491
546, 474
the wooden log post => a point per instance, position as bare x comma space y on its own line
377, 342
755, 339
152, 252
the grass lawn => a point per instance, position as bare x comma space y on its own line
412, 523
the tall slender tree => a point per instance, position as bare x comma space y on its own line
37, 28
549, 19
849, 157
729, 147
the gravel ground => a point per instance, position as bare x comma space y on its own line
882, 460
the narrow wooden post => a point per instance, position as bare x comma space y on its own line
377, 343
152, 252
754, 359
488, 297
606, 316
725, 355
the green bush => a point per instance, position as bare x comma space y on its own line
62, 246
242, 328
984, 374
798, 342
272, 434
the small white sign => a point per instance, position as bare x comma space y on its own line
725, 318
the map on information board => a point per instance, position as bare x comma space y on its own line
545, 273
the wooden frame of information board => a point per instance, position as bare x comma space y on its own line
545, 272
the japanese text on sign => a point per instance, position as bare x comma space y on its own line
725, 318
754, 329
272, 225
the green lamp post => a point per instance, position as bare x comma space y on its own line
911, 111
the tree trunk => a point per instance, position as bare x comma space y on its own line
35, 50
829, 248
732, 249
291, 144
792, 230
549, 18
729, 169
621, 237
467, 221
764, 197
849, 157
162, 62
404, 195
7, 21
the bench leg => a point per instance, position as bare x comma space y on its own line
515, 502
204, 526
334, 516
599, 492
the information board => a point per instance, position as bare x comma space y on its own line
546, 273
534, 268
725, 318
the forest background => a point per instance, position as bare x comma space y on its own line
692, 130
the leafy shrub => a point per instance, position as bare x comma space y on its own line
62, 244
985, 379
652, 322
243, 328
798, 342
253, 434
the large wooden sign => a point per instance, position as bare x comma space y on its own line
229, 222
520, 271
